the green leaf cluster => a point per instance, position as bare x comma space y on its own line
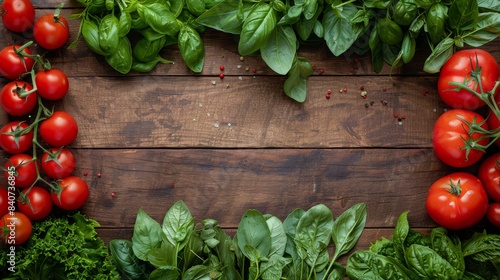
130, 34
62, 248
438, 255
264, 247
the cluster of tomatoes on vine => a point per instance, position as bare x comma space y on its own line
468, 134
39, 169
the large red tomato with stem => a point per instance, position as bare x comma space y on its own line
460, 67
452, 141
60, 129
13, 103
52, 84
51, 31
72, 193
489, 174
15, 62
20, 170
15, 138
457, 201
17, 15
35, 203
58, 163
15, 229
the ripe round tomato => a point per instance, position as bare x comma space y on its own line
17, 15
449, 134
73, 194
489, 174
15, 105
60, 129
20, 170
11, 65
35, 203
458, 69
4, 202
59, 163
52, 84
51, 31
457, 201
15, 229
14, 139
493, 214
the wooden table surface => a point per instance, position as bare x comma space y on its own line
241, 143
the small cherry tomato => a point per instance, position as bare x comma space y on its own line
14, 138
72, 195
60, 129
58, 163
12, 64
52, 84
489, 174
11, 101
457, 201
15, 228
20, 171
17, 15
493, 214
35, 203
51, 31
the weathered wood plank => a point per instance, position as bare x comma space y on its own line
155, 111
224, 183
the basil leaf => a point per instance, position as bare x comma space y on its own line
389, 32
377, 4
339, 32
109, 35
160, 18
198, 272
124, 23
400, 233
253, 232
90, 33
121, 59
446, 248
127, 263
436, 18
304, 26
296, 84
364, 265
164, 273
489, 5
146, 236
428, 264
439, 56
424, 3
405, 12
178, 224
408, 48
487, 30
376, 51
196, 7
347, 229
257, 28
192, 48
482, 247
310, 8
292, 15
463, 14
146, 50
225, 16
278, 51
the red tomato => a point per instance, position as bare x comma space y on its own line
4, 202
493, 123
35, 203
15, 229
11, 65
73, 194
489, 174
52, 84
17, 15
458, 69
449, 134
14, 138
20, 171
59, 163
15, 105
60, 129
493, 214
51, 31
457, 201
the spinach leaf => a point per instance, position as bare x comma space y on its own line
278, 236
273, 268
253, 232
257, 28
315, 225
192, 48
126, 262
146, 236
339, 32
164, 273
428, 264
279, 50
347, 229
296, 84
